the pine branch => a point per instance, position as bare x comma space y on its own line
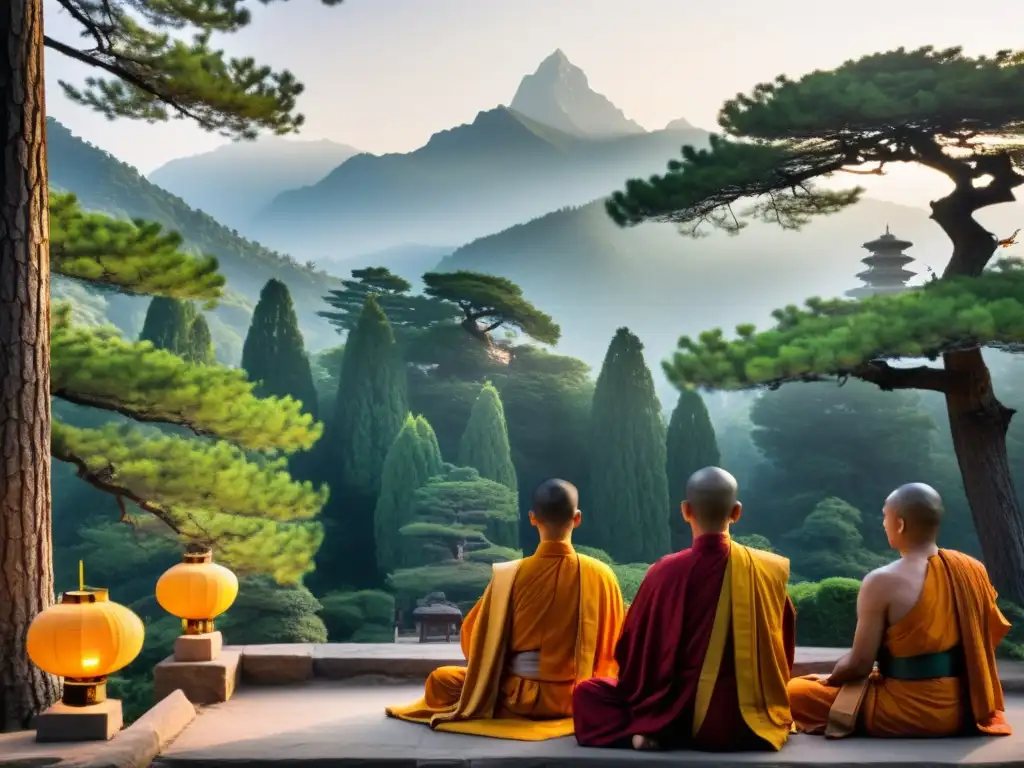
97, 368
843, 338
134, 258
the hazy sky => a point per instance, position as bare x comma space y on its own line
383, 75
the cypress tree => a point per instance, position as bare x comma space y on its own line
369, 412
406, 468
274, 353
691, 445
167, 324
430, 446
628, 491
484, 444
200, 343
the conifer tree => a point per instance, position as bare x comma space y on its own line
369, 412
274, 353
200, 343
210, 492
484, 444
407, 467
627, 494
691, 445
431, 447
168, 324
153, 76
958, 115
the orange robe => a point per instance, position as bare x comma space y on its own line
704, 658
563, 605
957, 610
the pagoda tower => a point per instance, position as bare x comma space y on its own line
885, 271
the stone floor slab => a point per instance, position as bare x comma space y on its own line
336, 724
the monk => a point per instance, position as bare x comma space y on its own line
707, 647
544, 623
930, 620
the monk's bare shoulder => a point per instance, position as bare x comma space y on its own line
879, 584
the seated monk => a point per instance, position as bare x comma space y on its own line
930, 620
544, 623
707, 646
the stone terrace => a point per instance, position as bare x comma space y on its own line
322, 705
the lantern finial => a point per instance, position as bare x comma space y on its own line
81, 576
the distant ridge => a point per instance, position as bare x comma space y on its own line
235, 181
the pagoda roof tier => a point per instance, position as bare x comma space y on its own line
872, 290
887, 242
900, 274
885, 259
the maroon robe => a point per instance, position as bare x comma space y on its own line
660, 655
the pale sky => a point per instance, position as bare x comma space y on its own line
383, 75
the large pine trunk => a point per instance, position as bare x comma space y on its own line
26, 567
978, 422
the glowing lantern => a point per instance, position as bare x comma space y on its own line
197, 591
84, 638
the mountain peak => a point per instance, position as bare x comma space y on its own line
558, 94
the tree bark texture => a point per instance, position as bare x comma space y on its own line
978, 422
26, 566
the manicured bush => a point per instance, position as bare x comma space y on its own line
826, 612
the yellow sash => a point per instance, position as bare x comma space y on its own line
752, 603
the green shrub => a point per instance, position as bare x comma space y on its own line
755, 541
367, 616
460, 581
826, 612
267, 613
629, 577
597, 554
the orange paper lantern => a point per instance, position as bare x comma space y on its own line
83, 639
197, 591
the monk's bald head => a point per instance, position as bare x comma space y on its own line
712, 497
919, 506
555, 503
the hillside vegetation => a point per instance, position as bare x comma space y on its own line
104, 183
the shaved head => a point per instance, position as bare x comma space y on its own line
555, 502
711, 494
919, 506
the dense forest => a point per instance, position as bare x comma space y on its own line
436, 432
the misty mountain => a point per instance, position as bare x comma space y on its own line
408, 261
234, 182
558, 94
594, 277
104, 183
465, 182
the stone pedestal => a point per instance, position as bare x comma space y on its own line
203, 682
198, 647
97, 722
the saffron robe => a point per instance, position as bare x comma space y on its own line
957, 608
566, 606
704, 657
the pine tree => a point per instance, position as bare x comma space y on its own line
168, 324
369, 412
148, 75
691, 445
430, 446
958, 115
484, 445
627, 494
406, 468
200, 343
274, 353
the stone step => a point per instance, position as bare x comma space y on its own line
342, 724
